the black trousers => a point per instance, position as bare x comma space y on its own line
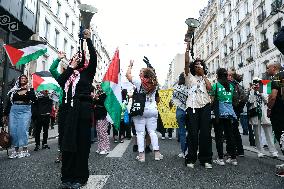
42, 122
52, 121
225, 129
277, 121
75, 164
199, 135
62, 112
169, 130
124, 131
237, 137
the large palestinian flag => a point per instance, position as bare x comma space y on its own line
25, 51
44, 81
111, 85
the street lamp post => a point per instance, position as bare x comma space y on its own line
189, 36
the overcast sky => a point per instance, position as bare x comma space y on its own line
154, 28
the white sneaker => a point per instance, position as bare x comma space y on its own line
26, 153
14, 155
219, 161
104, 152
232, 161
260, 155
274, 154
21, 154
163, 138
170, 138
190, 165
181, 155
97, 151
208, 166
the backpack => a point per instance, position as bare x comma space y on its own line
240, 98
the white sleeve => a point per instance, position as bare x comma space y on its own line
187, 79
137, 82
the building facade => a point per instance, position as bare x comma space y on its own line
176, 67
17, 23
245, 30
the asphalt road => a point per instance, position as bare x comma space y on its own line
40, 171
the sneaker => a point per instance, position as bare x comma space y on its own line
280, 173
181, 155
163, 138
170, 138
45, 146
190, 165
232, 161
141, 157
158, 156
37, 148
97, 151
26, 153
208, 166
14, 155
219, 161
148, 149
260, 155
21, 154
274, 154
104, 152
135, 148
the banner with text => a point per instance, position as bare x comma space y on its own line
168, 115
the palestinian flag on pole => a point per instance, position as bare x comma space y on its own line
44, 81
25, 51
265, 87
111, 85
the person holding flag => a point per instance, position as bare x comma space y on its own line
76, 81
147, 84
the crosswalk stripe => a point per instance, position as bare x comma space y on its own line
96, 182
119, 150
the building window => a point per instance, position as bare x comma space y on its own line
56, 38
71, 51
46, 29
73, 27
66, 20
238, 16
248, 30
277, 27
246, 7
239, 38
65, 45
58, 8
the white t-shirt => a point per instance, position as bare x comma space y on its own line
150, 104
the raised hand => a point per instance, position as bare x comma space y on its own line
61, 55
131, 63
75, 61
86, 34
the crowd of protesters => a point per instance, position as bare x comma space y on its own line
201, 105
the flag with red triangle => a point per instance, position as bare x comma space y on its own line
43, 80
25, 51
111, 85
265, 87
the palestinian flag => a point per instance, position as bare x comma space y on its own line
25, 51
111, 85
44, 81
265, 87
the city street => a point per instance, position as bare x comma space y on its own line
120, 170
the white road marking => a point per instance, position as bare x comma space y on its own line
96, 182
119, 150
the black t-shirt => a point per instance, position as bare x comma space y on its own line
278, 84
100, 110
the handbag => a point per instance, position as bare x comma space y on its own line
138, 103
5, 139
215, 105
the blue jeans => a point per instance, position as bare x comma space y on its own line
180, 116
19, 123
244, 123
